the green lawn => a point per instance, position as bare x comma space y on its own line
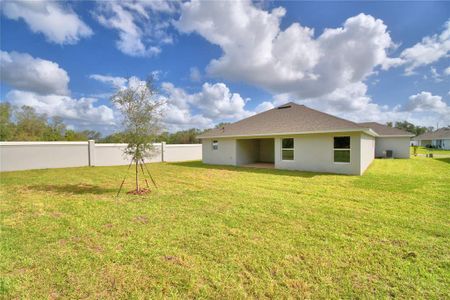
424, 150
224, 232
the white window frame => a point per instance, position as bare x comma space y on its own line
215, 145
293, 152
346, 149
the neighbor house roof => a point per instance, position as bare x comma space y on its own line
289, 118
386, 131
440, 134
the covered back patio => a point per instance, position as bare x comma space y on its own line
255, 153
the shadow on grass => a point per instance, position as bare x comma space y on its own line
78, 189
444, 159
199, 164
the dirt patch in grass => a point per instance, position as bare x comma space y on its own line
176, 260
141, 192
141, 219
78, 189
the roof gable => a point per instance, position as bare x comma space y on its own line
290, 118
439, 134
383, 130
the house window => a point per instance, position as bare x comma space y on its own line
342, 149
215, 145
287, 149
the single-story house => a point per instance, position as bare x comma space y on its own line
437, 139
390, 139
294, 137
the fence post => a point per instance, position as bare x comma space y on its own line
91, 152
163, 148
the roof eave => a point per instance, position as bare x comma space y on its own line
396, 135
365, 130
431, 138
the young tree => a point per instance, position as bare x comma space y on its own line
141, 113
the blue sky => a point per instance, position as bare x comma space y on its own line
222, 61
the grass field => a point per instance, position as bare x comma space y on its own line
424, 150
224, 232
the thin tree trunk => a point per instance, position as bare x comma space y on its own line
137, 177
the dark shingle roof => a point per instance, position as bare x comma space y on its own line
440, 134
384, 130
289, 118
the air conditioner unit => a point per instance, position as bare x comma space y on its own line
389, 153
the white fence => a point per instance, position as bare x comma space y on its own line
16, 156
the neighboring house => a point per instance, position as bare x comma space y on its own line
293, 137
390, 139
438, 139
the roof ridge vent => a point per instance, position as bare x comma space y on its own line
284, 106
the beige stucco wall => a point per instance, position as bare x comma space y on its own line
424, 143
224, 155
399, 146
112, 155
367, 151
16, 156
444, 143
314, 153
182, 152
254, 150
247, 151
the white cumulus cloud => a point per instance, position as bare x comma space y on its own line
425, 101
217, 101
429, 50
353, 103
212, 104
114, 81
24, 72
184, 110
256, 50
140, 27
447, 71
324, 70
56, 21
82, 110
178, 113
43, 85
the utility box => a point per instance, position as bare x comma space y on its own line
389, 154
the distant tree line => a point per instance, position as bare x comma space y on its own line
405, 125
188, 136
25, 124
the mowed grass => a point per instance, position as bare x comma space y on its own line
424, 150
225, 232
